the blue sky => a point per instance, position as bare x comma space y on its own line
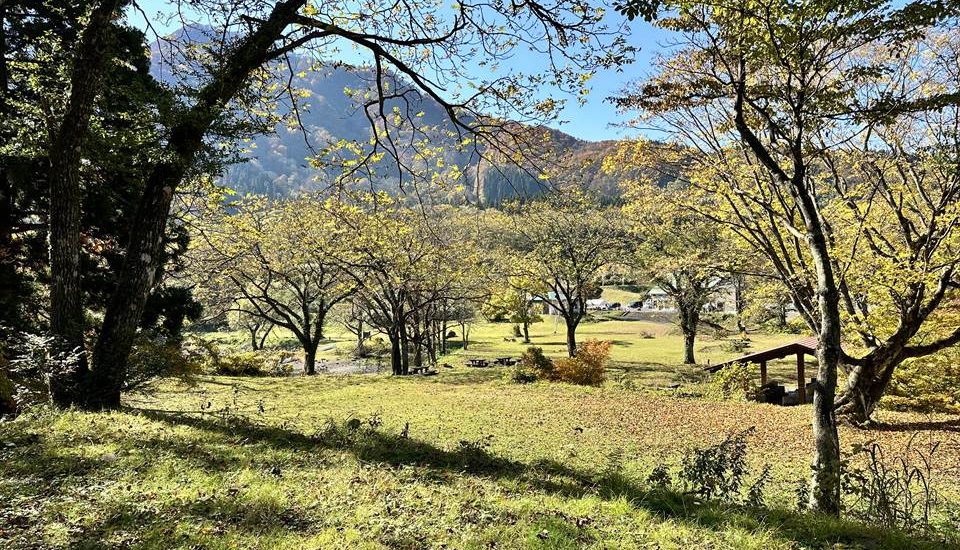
593, 121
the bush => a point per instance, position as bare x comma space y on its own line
533, 360
374, 347
893, 492
928, 384
160, 357
520, 374
719, 472
587, 368
8, 404
734, 381
247, 363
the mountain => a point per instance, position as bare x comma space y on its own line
278, 164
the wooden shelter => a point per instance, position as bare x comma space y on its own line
800, 348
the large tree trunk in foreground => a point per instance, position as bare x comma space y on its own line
825, 482
66, 148
144, 252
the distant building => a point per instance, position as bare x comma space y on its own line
544, 305
598, 304
722, 301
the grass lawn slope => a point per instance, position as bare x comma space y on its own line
459, 460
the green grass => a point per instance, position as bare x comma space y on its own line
634, 341
613, 294
459, 460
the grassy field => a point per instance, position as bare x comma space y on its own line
463, 459
459, 460
646, 353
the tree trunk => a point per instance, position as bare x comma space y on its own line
526, 332
266, 333
443, 338
781, 313
359, 335
689, 319
825, 481
254, 341
67, 385
431, 332
417, 343
689, 339
404, 351
310, 359
144, 252
396, 365
739, 301
464, 336
865, 386
572, 337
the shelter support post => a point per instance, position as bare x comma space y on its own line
801, 380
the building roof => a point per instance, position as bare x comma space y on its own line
804, 345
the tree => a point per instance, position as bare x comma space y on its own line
761, 99
239, 42
38, 39
563, 242
680, 251
277, 260
513, 301
406, 276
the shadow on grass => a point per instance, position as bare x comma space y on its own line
370, 444
952, 425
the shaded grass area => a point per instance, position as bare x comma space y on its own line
454, 461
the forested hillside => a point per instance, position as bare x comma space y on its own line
328, 111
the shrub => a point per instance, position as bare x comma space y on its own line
373, 347
247, 363
160, 357
928, 384
520, 374
893, 492
738, 345
8, 404
533, 360
718, 472
733, 382
587, 368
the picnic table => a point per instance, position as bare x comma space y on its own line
505, 361
475, 362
